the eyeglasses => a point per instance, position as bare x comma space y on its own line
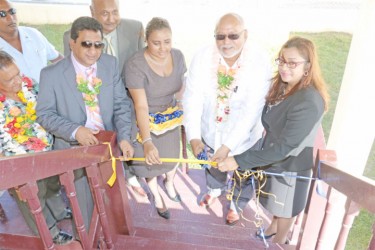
88, 44
291, 65
11, 11
220, 37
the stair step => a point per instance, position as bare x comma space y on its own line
135, 243
205, 240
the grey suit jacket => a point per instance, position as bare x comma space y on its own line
130, 35
291, 128
61, 109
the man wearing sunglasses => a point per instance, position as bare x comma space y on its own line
74, 114
225, 94
122, 38
30, 49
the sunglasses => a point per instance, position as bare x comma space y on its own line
11, 11
88, 44
220, 37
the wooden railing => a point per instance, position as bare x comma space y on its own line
354, 192
109, 217
113, 217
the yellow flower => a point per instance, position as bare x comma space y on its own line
17, 125
33, 117
232, 72
21, 96
19, 119
222, 69
22, 138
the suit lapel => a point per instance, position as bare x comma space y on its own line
70, 80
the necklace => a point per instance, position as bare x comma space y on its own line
155, 62
19, 130
225, 88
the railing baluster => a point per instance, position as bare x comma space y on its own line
29, 192
352, 210
92, 174
67, 180
372, 242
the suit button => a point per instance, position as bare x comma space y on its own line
271, 144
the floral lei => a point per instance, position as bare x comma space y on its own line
19, 132
90, 89
225, 88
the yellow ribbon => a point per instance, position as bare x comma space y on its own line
262, 179
113, 177
212, 163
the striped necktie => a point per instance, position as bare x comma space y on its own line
94, 112
109, 49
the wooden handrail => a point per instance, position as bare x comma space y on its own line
111, 215
359, 189
39, 165
359, 192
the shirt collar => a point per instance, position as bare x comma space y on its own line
81, 69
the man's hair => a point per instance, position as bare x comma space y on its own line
85, 23
5, 59
157, 23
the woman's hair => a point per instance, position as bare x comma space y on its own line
312, 74
157, 23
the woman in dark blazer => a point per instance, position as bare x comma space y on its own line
293, 112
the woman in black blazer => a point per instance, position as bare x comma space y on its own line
293, 112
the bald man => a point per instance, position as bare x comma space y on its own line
225, 120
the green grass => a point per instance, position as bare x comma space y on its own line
333, 48
332, 51
54, 33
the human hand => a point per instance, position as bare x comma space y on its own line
220, 154
86, 136
127, 150
151, 153
229, 164
197, 146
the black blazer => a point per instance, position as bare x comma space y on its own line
291, 128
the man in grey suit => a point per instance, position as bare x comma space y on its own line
122, 38
125, 36
64, 108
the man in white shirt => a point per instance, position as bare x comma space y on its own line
223, 101
29, 48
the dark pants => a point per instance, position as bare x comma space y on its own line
243, 191
43, 194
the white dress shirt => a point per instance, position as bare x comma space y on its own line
36, 52
243, 127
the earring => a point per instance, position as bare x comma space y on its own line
306, 73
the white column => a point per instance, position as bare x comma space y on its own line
353, 129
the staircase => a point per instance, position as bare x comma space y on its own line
190, 226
